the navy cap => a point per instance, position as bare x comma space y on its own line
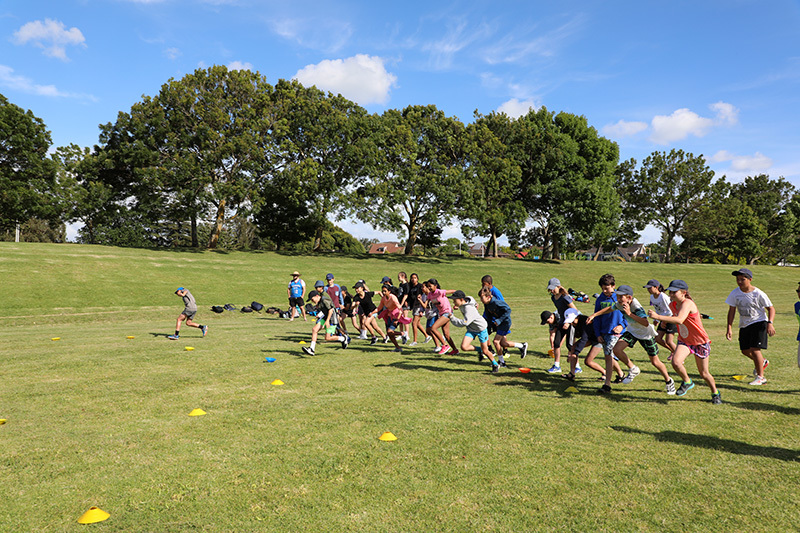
677, 285
652, 283
746, 272
386, 279
329, 276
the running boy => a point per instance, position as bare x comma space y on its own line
368, 312
756, 314
638, 330
498, 313
609, 327
326, 318
190, 308
665, 333
476, 327
577, 334
692, 338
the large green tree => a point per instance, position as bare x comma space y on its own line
492, 203
200, 148
665, 191
417, 182
28, 186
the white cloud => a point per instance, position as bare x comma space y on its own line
727, 114
515, 108
684, 122
26, 85
515, 48
51, 35
679, 125
173, 53
239, 65
456, 38
360, 78
624, 128
755, 163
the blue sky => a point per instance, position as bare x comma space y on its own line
718, 78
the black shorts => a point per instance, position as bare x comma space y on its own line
560, 334
578, 335
296, 300
667, 327
753, 336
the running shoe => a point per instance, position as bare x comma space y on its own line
204, 329
373, 341
555, 369
605, 389
495, 369
617, 379
760, 380
524, 350
684, 388
444, 349
363, 335
308, 350
632, 373
346, 341
480, 356
578, 369
670, 386
427, 340
454, 352
413, 343
398, 350
174, 337
716, 399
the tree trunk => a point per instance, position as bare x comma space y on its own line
494, 244
195, 242
217, 229
412, 240
597, 255
318, 238
556, 247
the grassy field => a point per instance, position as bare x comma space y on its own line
97, 419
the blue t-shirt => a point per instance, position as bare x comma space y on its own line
497, 294
604, 324
797, 313
296, 288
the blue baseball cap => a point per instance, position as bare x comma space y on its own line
180, 289
319, 283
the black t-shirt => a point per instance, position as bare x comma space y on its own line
413, 294
365, 303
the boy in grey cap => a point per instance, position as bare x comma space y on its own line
476, 327
190, 308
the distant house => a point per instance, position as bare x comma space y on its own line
481, 250
387, 248
620, 253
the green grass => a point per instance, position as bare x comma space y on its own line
99, 419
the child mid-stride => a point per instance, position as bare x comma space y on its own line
189, 310
476, 328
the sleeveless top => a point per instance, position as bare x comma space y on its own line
691, 332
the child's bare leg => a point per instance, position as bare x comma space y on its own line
619, 351
589, 360
662, 369
181, 318
678, 359
702, 367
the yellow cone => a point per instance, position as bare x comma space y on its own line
188, 348
56, 339
93, 515
387, 436
277, 382
571, 389
131, 337
739, 377
197, 412
302, 342
3, 421
551, 353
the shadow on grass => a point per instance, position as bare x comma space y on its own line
754, 406
415, 364
182, 337
715, 443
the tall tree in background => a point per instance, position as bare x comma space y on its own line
417, 184
27, 175
666, 190
326, 144
492, 205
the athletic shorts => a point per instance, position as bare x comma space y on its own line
391, 324
667, 327
483, 336
347, 312
189, 313
609, 341
296, 300
418, 310
650, 345
503, 328
698, 350
753, 336
561, 333
577, 340
431, 321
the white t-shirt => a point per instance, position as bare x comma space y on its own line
634, 328
661, 304
750, 305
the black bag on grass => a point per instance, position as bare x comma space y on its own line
256, 306
246, 309
230, 307
217, 308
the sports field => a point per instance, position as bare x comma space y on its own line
99, 419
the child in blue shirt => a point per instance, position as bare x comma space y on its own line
797, 313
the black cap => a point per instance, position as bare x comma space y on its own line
458, 294
545, 316
358, 284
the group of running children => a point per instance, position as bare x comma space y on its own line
619, 321
412, 312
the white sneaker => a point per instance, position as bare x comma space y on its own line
363, 335
427, 340
555, 369
414, 343
670, 387
632, 373
758, 381
578, 369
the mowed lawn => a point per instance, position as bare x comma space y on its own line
97, 419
